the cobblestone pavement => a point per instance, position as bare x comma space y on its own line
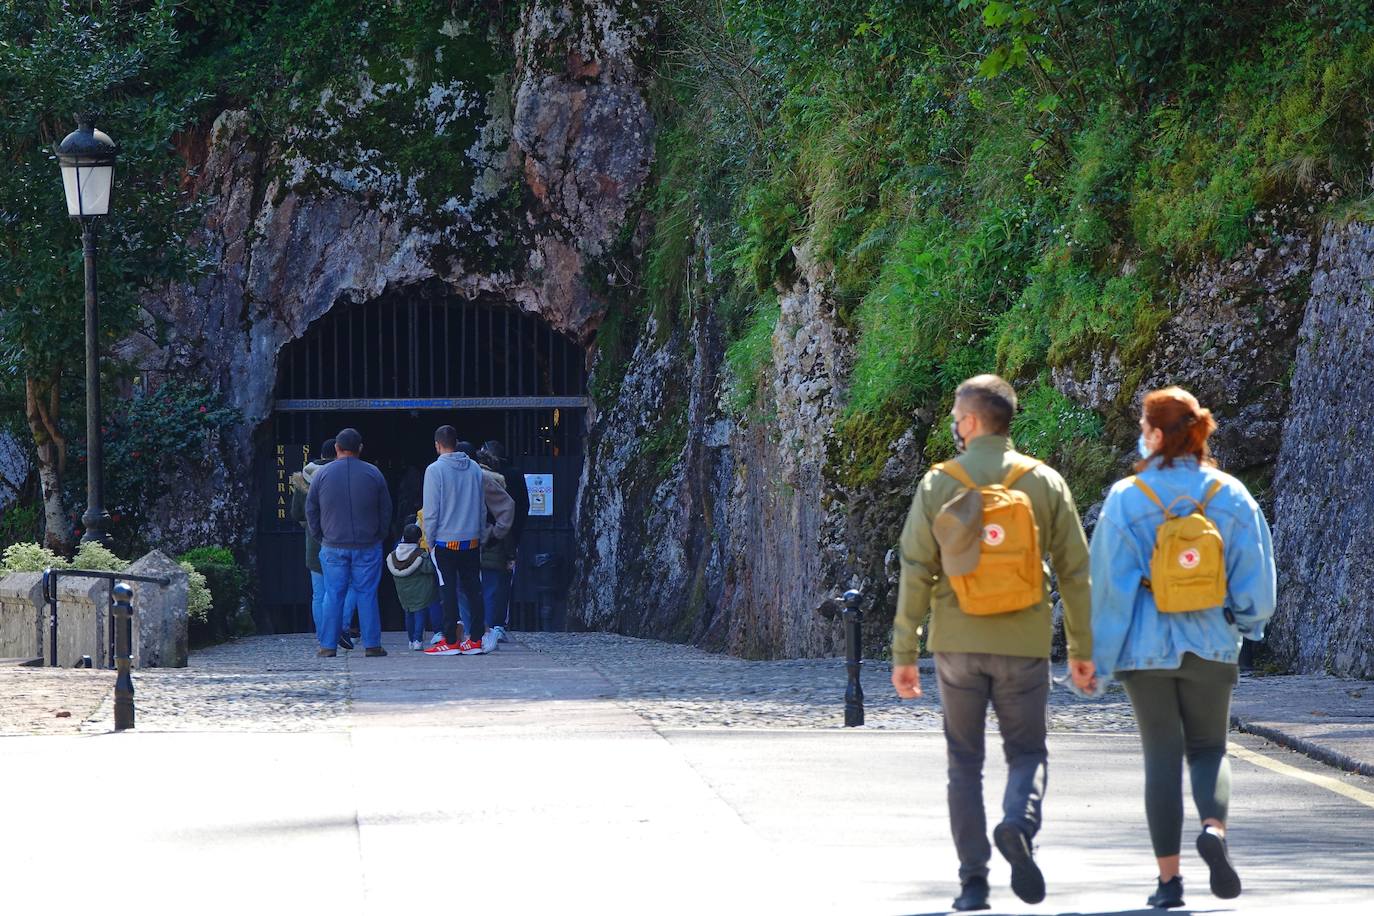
260, 684
676, 686
275, 684
50, 701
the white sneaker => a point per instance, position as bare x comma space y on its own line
490, 639
415, 645
500, 633
438, 638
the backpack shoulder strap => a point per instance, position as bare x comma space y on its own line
1154, 497
1023, 467
955, 470
1213, 490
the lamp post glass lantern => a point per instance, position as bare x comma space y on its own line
87, 158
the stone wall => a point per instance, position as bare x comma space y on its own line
1324, 489
83, 617
23, 620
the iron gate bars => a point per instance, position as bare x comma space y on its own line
422, 345
50, 579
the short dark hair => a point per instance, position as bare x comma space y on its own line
348, 440
467, 448
327, 451
990, 398
411, 534
446, 437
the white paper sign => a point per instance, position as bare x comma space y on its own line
541, 493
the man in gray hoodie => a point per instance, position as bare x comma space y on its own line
457, 498
348, 510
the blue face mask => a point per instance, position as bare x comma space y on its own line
1144, 449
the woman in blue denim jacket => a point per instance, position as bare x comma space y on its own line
1179, 668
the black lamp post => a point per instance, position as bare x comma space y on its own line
87, 157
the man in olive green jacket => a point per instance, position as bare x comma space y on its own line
1002, 658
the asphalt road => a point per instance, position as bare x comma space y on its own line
529, 790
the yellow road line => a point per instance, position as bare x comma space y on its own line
1317, 779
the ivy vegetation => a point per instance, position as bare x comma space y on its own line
995, 185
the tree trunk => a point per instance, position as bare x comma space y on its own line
42, 408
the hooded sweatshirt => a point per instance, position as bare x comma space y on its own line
300, 488
458, 496
413, 572
497, 552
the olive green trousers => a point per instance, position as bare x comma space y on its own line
1182, 712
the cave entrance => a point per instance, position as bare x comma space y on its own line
394, 368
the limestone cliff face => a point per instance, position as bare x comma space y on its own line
553, 152
1229, 339
732, 539
1324, 498
732, 536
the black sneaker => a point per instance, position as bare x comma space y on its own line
327, 653
1212, 847
1168, 895
374, 652
973, 895
344, 641
1026, 880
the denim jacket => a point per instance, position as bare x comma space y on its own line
1129, 633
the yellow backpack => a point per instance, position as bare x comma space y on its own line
1010, 575
1188, 566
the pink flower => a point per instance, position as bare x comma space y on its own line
202, 408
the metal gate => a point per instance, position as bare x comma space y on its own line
396, 368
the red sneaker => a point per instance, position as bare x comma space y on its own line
468, 647
442, 647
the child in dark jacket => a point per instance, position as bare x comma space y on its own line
416, 584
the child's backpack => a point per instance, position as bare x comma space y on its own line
1188, 566
1010, 575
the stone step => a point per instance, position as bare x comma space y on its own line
21, 663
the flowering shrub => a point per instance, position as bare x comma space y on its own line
93, 556
197, 594
29, 558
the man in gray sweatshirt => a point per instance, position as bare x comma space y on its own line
457, 497
348, 510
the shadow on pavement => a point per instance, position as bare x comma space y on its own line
1143, 911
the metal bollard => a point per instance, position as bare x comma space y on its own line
853, 646
124, 638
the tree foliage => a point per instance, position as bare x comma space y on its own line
56, 59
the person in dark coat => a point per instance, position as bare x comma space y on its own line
300, 488
499, 564
348, 510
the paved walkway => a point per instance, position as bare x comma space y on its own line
273, 683
592, 772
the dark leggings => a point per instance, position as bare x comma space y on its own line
1183, 711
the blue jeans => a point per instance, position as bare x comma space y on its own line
357, 571
496, 592
415, 624
495, 595
317, 602
436, 617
